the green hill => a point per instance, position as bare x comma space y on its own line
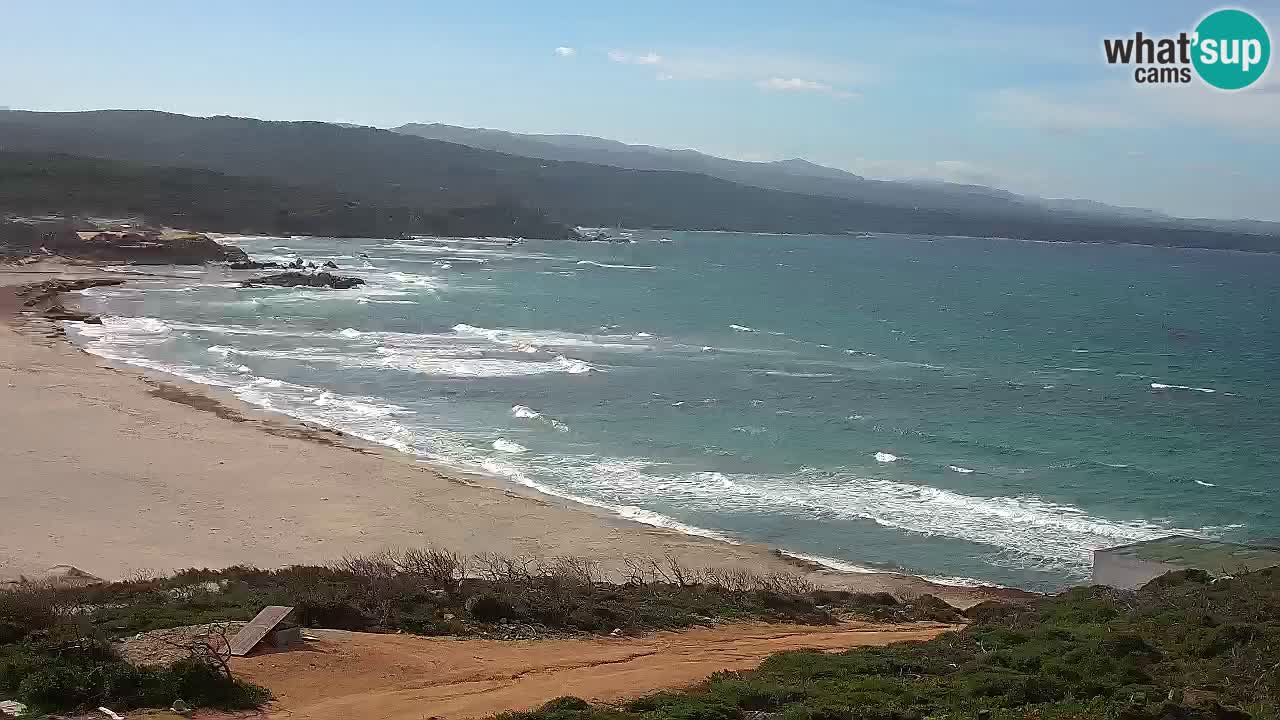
37, 184
393, 170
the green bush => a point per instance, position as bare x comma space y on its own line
1179, 649
67, 679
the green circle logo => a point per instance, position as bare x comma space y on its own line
1231, 49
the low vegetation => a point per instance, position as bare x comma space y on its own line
1183, 647
52, 657
57, 653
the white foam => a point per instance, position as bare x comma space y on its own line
621, 267
524, 411
631, 512
350, 333
127, 331
441, 361
368, 418
507, 446
830, 563
521, 338
885, 457
959, 469
1206, 484
1023, 532
781, 373
742, 328
430, 363
1164, 386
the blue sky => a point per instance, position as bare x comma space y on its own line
1011, 94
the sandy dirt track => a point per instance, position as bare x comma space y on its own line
404, 677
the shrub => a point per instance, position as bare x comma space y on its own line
25, 611
488, 607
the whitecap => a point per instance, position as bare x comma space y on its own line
885, 457
1165, 386
507, 446
528, 413
522, 339
742, 328
630, 512
782, 373
622, 267
829, 563
524, 411
1205, 484
959, 469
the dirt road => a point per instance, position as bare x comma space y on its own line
404, 677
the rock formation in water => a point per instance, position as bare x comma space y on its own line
303, 279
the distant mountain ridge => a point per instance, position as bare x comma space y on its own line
803, 176
793, 175
383, 169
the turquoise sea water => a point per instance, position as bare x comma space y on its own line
957, 408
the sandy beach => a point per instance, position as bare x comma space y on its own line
115, 471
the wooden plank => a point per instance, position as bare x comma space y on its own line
250, 635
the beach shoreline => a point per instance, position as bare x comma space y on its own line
116, 469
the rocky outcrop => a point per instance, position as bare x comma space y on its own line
40, 294
145, 247
302, 279
254, 265
43, 298
58, 312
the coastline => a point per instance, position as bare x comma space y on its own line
118, 469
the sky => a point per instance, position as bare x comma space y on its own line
1014, 94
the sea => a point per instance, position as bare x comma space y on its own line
967, 410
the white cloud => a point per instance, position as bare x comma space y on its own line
783, 72
793, 84
563, 51
626, 58
777, 84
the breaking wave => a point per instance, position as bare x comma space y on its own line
1163, 386
622, 267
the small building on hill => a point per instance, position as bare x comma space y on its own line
1134, 565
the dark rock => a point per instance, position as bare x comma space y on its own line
302, 279
148, 247
37, 294
253, 265
329, 264
57, 312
